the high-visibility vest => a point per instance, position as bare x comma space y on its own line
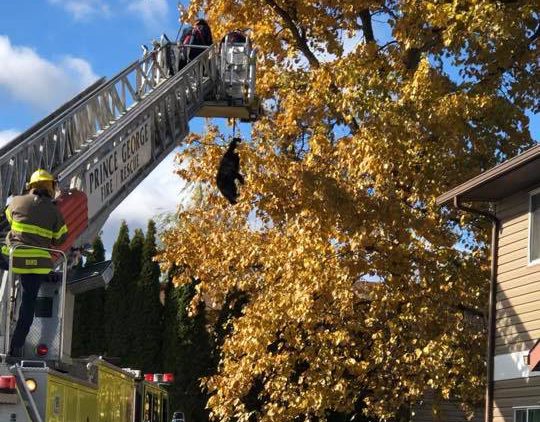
36, 223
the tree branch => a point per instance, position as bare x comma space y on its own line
535, 35
520, 51
412, 57
473, 311
299, 37
389, 43
367, 27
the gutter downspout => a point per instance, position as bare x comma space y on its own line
495, 227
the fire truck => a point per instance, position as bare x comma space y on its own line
100, 145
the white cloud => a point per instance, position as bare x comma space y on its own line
83, 9
161, 192
29, 78
7, 135
152, 12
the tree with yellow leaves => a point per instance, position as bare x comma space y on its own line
358, 287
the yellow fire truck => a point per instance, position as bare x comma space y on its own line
91, 390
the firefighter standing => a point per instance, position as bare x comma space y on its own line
35, 221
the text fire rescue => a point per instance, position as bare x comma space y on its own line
119, 166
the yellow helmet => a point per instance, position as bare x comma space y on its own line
40, 175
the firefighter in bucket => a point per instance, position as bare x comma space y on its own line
35, 222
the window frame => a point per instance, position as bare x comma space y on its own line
526, 408
530, 228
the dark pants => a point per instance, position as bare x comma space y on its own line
30, 288
4, 263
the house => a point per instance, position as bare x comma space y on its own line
432, 410
512, 189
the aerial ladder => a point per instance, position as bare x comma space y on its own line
100, 145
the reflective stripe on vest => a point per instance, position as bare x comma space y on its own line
33, 229
8, 216
29, 260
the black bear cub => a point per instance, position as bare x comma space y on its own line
229, 172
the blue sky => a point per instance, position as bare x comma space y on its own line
105, 35
51, 49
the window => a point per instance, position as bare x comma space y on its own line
534, 228
527, 415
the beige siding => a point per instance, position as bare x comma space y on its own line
507, 303
512, 226
528, 315
518, 288
512, 393
510, 241
445, 411
512, 205
448, 412
523, 277
507, 257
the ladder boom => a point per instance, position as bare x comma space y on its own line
111, 136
